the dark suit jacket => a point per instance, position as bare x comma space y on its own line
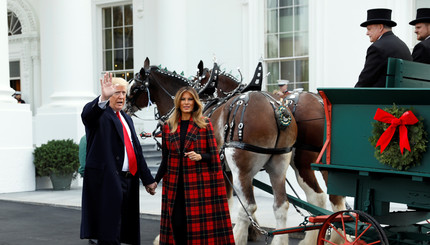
375, 68
102, 192
421, 52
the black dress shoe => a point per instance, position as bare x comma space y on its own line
91, 241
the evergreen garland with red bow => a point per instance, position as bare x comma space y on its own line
392, 154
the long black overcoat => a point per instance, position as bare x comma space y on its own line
421, 52
102, 193
375, 68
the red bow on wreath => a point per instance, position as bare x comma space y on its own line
408, 118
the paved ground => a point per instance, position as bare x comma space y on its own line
40, 224
33, 224
53, 217
49, 217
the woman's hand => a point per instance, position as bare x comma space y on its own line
193, 156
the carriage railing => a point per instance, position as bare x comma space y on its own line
293, 200
327, 144
350, 225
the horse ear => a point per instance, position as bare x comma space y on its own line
146, 64
200, 66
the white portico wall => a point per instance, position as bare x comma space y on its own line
66, 69
178, 34
216, 29
17, 171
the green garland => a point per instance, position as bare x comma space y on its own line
392, 156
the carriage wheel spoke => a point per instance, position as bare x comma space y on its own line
362, 233
325, 240
356, 225
343, 225
379, 241
364, 228
335, 229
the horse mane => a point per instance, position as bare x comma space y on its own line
230, 76
171, 74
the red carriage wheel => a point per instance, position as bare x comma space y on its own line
361, 229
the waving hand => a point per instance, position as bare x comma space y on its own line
108, 89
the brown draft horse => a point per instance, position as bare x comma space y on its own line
308, 112
242, 143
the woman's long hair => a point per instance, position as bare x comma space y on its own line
197, 115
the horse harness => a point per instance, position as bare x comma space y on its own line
292, 100
210, 87
239, 105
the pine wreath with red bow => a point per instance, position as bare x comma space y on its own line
399, 137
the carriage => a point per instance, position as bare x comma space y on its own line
353, 170
348, 158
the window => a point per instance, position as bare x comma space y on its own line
14, 24
118, 41
15, 75
286, 43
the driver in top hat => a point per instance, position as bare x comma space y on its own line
385, 45
421, 52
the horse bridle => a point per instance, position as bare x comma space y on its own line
144, 88
198, 80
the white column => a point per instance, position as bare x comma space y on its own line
5, 91
17, 169
66, 48
66, 69
253, 34
170, 54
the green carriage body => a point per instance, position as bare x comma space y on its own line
353, 169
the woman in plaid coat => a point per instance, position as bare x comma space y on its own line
194, 203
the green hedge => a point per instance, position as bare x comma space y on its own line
57, 156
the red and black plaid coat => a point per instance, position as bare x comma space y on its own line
207, 212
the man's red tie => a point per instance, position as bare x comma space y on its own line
132, 164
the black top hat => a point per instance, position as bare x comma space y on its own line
379, 16
423, 16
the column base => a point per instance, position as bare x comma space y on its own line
16, 149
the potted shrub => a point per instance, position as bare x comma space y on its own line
58, 159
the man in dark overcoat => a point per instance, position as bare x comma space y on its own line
421, 52
385, 45
110, 194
